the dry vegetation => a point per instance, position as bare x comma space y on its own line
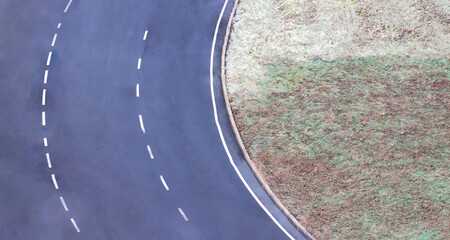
344, 106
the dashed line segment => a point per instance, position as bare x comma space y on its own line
68, 5
164, 182
44, 96
145, 35
43, 119
55, 182
139, 63
54, 39
137, 90
49, 58
182, 214
75, 224
141, 122
45, 76
44, 93
150, 152
49, 162
64, 204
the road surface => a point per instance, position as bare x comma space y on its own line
111, 128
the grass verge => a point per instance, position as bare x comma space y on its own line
356, 148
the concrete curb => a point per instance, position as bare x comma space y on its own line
252, 166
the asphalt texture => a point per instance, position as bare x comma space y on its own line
98, 151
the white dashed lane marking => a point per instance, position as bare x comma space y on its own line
137, 90
145, 35
139, 63
49, 58
43, 119
68, 5
54, 39
44, 97
75, 224
64, 204
55, 182
142, 123
44, 92
45, 76
182, 214
49, 162
150, 152
164, 182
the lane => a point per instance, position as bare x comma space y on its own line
100, 157
29, 205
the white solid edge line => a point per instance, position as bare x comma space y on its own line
220, 129
150, 152
49, 58
59, 25
164, 182
44, 93
45, 76
43, 119
64, 204
141, 122
137, 90
68, 5
139, 63
45, 142
145, 35
55, 182
75, 224
49, 162
54, 39
182, 214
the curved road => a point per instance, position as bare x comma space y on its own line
108, 128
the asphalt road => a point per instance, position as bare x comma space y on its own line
84, 157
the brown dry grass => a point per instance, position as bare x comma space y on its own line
356, 148
357, 145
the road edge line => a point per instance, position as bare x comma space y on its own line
237, 135
219, 128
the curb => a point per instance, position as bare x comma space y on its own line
252, 166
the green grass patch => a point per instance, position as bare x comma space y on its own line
374, 127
